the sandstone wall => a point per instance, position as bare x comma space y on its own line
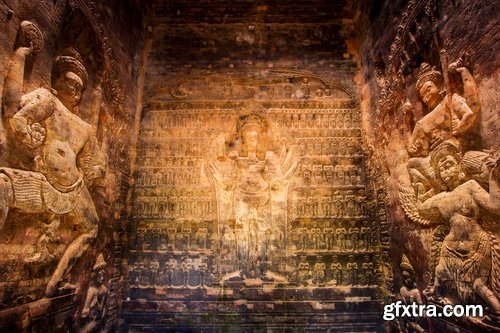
395, 38
35, 244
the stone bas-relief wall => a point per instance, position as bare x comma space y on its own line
436, 127
259, 207
62, 182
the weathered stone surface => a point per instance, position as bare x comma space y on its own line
64, 178
441, 162
254, 166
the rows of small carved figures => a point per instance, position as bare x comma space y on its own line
184, 272
175, 206
338, 175
338, 204
197, 272
316, 239
337, 119
192, 118
164, 144
168, 176
334, 119
170, 239
329, 146
335, 273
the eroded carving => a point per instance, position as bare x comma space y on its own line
252, 186
95, 303
454, 186
58, 156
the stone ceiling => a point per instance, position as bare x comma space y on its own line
259, 30
252, 11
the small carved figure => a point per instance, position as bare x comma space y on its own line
329, 238
171, 238
318, 174
354, 238
325, 206
349, 204
329, 174
95, 303
154, 268
303, 237
316, 236
368, 271
319, 272
303, 271
366, 236
201, 238
203, 269
336, 268
170, 266
352, 271
341, 238
186, 266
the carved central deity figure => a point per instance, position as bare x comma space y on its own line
252, 184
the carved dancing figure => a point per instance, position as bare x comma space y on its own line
451, 118
59, 156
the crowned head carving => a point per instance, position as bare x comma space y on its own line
252, 128
446, 163
69, 77
429, 84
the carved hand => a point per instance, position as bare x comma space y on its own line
85, 312
276, 185
436, 140
408, 112
453, 67
455, 126
25, 50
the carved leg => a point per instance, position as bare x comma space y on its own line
488, 296
75, 250
6, 198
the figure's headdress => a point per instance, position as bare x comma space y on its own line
428, 73
252, 116
251, 121
446, 148
69, 61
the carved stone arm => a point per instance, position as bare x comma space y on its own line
428, 209
89, 302
226, 183
274, 171
471, 92
408, 112
13, 86
466, 118
91, 161
489, 201
26, 123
